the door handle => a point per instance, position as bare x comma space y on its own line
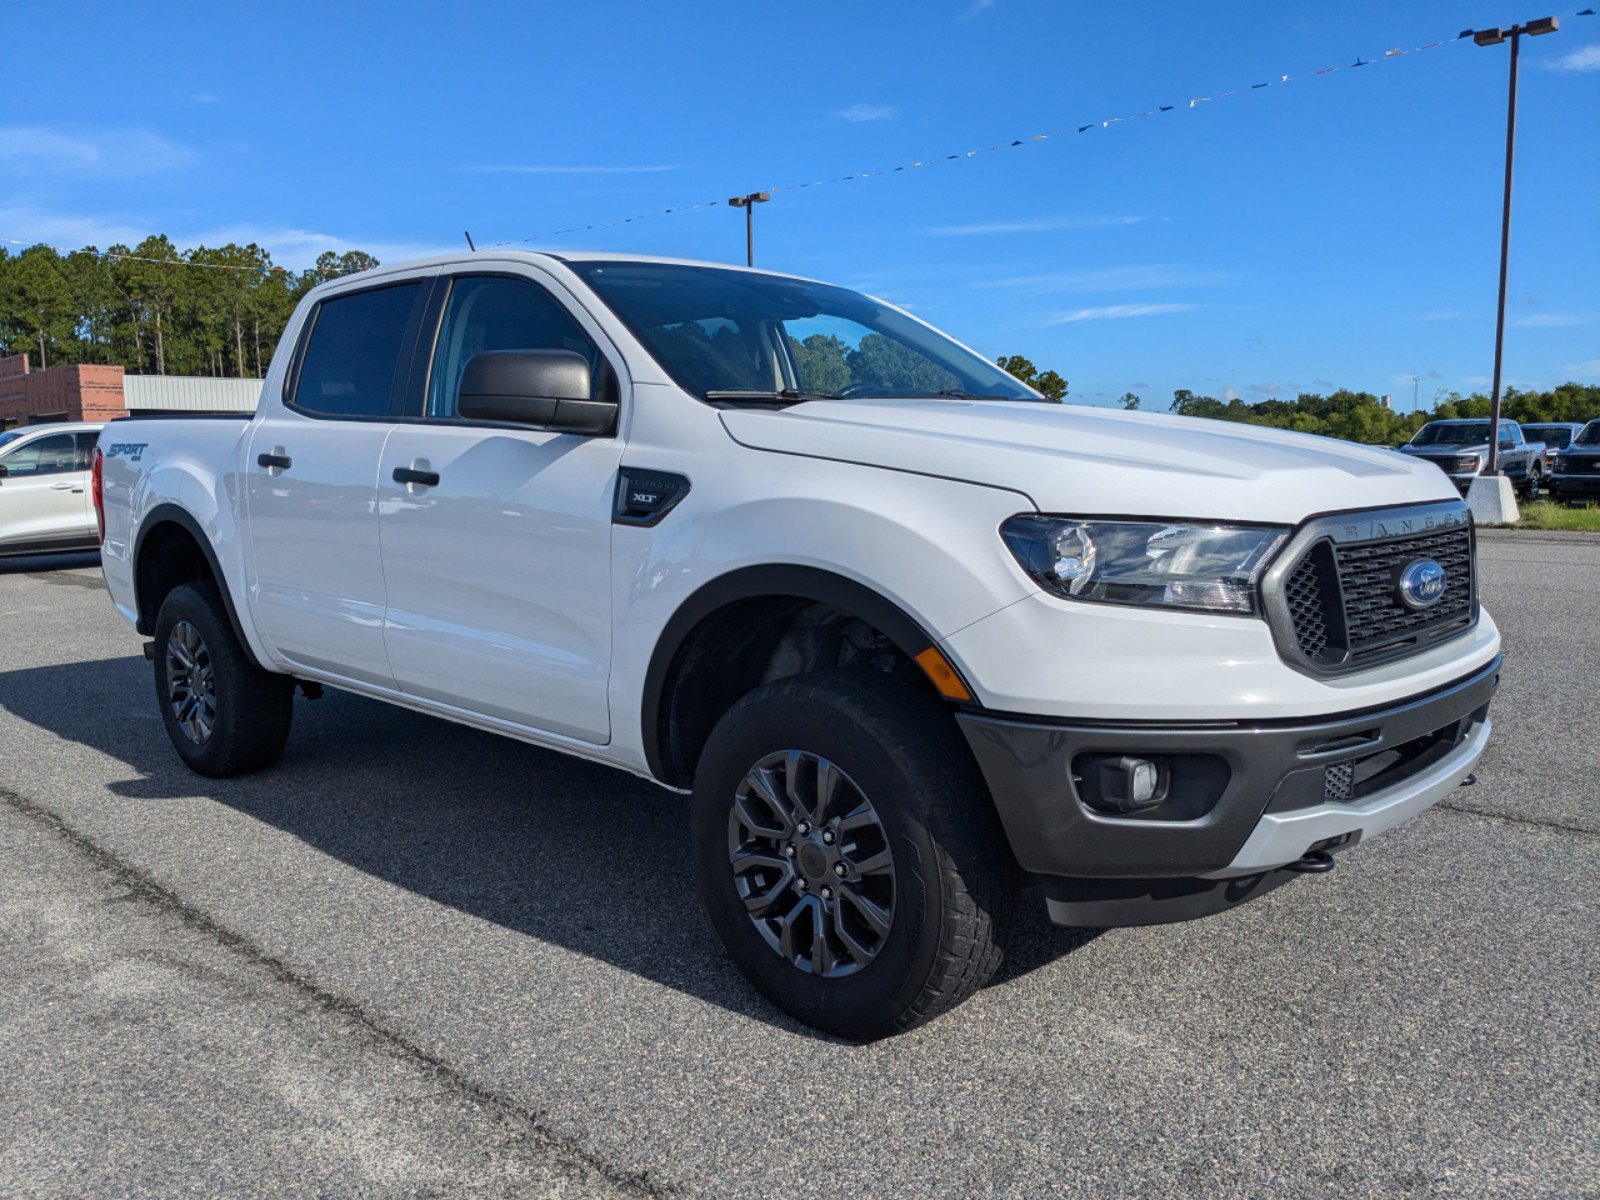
411, 475
65, 487
281, 462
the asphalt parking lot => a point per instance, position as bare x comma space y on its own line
414, 959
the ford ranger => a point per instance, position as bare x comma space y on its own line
907, 632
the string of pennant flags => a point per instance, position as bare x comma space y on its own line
1069, 132
1014, 143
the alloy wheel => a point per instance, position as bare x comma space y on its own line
812, 864
191, 683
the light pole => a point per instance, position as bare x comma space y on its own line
1493, 37
748, 203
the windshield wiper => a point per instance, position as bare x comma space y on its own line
756, 396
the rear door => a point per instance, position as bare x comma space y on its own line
311, 482
498, 573
44, 492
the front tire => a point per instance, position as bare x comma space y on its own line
225, 716
1535, 479
848, 853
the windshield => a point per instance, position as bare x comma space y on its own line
1557, 437
763, 336
1468, 433
1589, 435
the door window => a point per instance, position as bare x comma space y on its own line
53, 455
354, 354
493, 313
86, 445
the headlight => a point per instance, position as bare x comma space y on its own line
1149, 563
1467, 462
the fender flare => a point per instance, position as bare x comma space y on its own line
746, 583
174, 514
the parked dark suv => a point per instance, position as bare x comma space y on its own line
1575, 474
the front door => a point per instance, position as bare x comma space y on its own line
44, 497
498, 574
311, 484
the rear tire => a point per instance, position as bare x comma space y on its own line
225, 716
904, 802
1535, 480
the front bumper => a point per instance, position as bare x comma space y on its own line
1565, 485
1244, 797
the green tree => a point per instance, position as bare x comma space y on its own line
36, 302
820, 362
882, 364
1047, 383
1130, 401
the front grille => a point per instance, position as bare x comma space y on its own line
1342, 604
1375, 616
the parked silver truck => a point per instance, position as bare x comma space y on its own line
1460, 448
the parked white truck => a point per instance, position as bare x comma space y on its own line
910, 632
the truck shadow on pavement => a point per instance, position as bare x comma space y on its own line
565, 851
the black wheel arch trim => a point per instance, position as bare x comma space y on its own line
169, 513
747, 583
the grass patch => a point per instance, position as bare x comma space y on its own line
1551, 514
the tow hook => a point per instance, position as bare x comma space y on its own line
1316, 862
150, 651
309, 688
1469, 780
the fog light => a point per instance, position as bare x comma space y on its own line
1142, 779
1121, 783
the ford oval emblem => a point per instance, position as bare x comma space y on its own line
1422, 583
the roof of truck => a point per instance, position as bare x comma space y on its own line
560, 256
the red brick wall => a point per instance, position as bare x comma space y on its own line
83, 393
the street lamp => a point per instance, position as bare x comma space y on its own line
1493, 37
748, 203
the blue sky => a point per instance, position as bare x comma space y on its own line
1340, 230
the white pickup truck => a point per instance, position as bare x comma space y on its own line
910, 632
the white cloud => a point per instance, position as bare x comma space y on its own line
866, 112
1553, 320
1034, 225
1230, 395
1584, 58
976, 7
204, 98
1591, 368
518, 169
35, 150
1118, 312
1438, 314
1110, 279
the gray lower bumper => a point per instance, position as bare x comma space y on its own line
1281, 838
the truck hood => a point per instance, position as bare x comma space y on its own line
1077, 460
1444, 451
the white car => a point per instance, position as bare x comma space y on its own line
44, 489
908, 631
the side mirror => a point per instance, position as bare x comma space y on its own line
547, 389
4, 470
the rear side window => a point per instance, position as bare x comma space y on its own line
355, 351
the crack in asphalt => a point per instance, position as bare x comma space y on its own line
1489, 816
553, 1146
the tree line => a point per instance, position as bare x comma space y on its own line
157, 318
1352, 416
154, 317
